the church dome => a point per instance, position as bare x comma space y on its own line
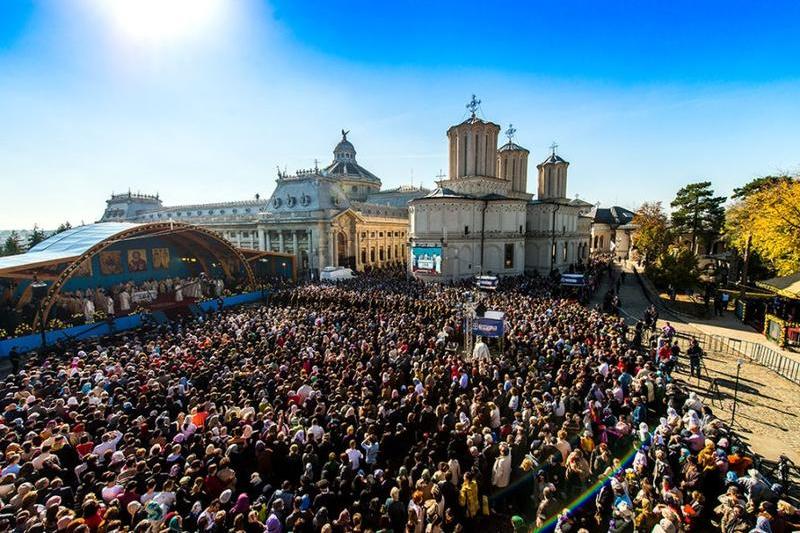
511, 147
344, 164
554, 158
344, 151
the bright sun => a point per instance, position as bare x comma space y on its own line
159, 22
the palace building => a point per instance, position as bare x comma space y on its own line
481, 219
332, 216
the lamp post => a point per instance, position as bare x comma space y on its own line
739, 364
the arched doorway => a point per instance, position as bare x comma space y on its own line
343, 255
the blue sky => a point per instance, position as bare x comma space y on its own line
198, 106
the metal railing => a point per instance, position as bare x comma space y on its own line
753, 351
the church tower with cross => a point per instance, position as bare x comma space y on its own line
473, 146
552, 176
512, 163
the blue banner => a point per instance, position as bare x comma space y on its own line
487, 327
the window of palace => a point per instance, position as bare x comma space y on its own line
509, 255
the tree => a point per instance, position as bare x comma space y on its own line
63, 227
769, 220
698, 212
12, 245
652, 236
677, 269
757, 185
36, 236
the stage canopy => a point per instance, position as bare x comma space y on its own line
107, 253
786, 286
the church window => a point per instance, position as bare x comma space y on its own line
372, 234
564, 252
363, 234
372, 255
475, 170
354, 188
179, 213
380, 254
509, 255
363, 256
520, 228
396, 251
380, 234
235, 211
466, 230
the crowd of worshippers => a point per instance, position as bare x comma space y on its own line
339, 408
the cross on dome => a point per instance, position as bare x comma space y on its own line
473, 105
510, 132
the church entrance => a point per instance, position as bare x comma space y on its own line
345, 259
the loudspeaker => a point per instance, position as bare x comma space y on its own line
38, 291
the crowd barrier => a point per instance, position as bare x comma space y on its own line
31, 342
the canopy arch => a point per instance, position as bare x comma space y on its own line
75, 247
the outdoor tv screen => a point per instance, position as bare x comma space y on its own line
426, 259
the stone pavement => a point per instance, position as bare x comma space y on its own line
768, 406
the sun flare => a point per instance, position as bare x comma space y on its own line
159, 22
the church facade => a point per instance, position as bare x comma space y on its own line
332, 216
481, 219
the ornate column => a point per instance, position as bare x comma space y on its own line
280, 241
269, 241
261, 242
331, 247
295, 251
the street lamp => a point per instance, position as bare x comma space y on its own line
739, 363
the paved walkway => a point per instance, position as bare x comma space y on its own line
767, 407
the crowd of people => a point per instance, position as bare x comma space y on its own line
339, 408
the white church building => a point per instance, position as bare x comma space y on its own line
483, 220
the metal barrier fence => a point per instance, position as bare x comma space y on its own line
754, 352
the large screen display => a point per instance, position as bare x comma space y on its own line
426, 259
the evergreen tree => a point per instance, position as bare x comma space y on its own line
758, 185
698, 212
36, 236
63, 227
12, 245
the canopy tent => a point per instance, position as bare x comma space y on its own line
59, 258
786, 286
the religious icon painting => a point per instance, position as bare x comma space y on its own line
110, 263
161, 258
137, 260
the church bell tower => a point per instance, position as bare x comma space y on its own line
552, 176
473, 146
